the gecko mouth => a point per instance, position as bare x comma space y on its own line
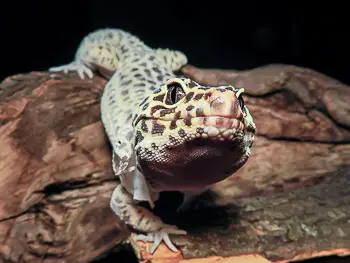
219, 122
211, 124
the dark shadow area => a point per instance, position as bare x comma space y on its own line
201, 213
332, 259
238, 35
121, 254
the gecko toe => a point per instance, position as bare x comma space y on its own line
161, 236
168, 242
158, 237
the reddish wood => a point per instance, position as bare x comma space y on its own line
56, 177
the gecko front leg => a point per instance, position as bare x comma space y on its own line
143, 220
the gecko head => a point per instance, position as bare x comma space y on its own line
190, 136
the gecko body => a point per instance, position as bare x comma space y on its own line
168, 133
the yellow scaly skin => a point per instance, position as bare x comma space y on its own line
167, 133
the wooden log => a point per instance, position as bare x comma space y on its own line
56, 177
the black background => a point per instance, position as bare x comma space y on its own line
213, 34
36, 35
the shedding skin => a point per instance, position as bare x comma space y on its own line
164, 130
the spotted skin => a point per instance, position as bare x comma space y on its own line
167, 132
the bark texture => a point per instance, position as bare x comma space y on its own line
290, 201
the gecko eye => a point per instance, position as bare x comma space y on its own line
174, 94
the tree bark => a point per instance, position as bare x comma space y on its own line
290, 201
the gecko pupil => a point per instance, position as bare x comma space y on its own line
175, 93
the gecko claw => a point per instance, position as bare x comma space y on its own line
76, 66
159, 236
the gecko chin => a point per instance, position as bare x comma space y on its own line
195, 164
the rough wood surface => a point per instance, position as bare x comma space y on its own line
56, 177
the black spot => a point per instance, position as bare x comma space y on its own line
145, 106
151, 58
157, 128
125, 92
172, 139
157, 70
189, 108
126, 83
138, 137
189, 96
207, 95
167, 111
182, 133
134, 69
192, 85
156, 108
143, 102
177, 115
144, 126
200, 130
148, 72
140, 85
134, 119
143, 64
154, 146
198, 97
159, 97
138, 75
124, 49
199, 112
156, 91
187, 120
203, 88
160, 78
173, 125
221, 90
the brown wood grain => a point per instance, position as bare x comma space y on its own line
290, 201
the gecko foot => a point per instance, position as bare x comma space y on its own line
76, 66
161, 235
